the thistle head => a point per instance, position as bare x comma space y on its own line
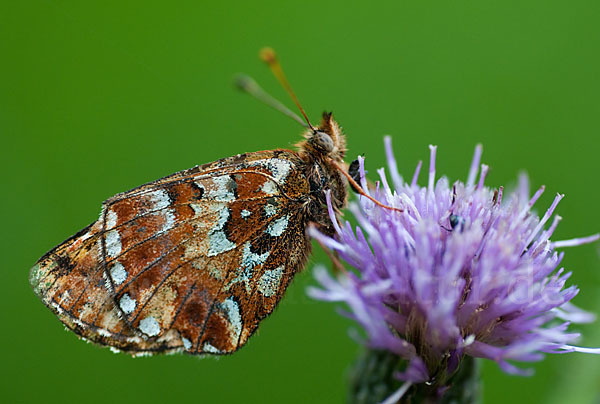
465, 269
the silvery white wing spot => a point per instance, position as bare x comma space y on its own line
194, 261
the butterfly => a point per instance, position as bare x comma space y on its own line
194, 261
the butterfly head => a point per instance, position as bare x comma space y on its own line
327, 139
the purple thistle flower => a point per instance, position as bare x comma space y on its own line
464, 270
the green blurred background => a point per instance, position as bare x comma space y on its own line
99, 97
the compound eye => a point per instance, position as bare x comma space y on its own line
322, 142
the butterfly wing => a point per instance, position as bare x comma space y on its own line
70, 280
191, 261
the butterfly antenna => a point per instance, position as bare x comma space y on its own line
269, 56
248, 85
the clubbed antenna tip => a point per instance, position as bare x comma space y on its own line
245, 83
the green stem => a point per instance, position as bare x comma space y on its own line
372, 381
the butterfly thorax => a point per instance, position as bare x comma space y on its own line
323, 146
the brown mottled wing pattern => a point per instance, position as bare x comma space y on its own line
193, 261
